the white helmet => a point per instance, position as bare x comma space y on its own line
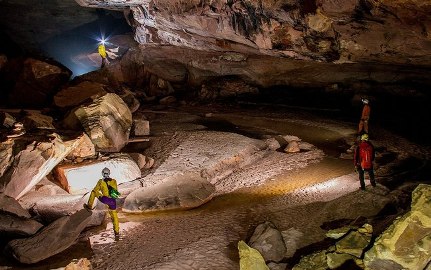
106, 172
365, 100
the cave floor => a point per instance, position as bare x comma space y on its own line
207, 237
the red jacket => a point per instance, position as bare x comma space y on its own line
364, 155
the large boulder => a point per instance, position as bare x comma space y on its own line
179, 192
51, 240
32, 163
406, 244
13, 226
107, 121
52, 207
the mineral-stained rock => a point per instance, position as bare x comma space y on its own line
250, 258
406, 244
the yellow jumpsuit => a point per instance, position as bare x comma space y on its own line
102, 52
101, 189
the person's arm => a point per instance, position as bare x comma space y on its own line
114, 184
355, 156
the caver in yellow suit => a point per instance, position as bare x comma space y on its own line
102, 52
106, 191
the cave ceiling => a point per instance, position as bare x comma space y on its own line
379, 34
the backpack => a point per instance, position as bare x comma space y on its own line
366, 155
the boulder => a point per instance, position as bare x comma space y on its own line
182, 191
336, 260
84, 149
37, 120
353, 243
292, 147
33, 163
141, 127
7, 120
11, 206
292, 239
273, 144
81, 264
73, 96
406, 244
139, 159
14, 226
314, 261
52, 207
51, 240
107, 121
268, 240
250, 258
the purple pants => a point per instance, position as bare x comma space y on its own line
109, 202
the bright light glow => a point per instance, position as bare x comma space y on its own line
102, 39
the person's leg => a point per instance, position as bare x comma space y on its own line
114, 218
361, 177
360, 127
372, 179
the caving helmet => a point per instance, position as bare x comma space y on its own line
364, 137
365, 100
106, 172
